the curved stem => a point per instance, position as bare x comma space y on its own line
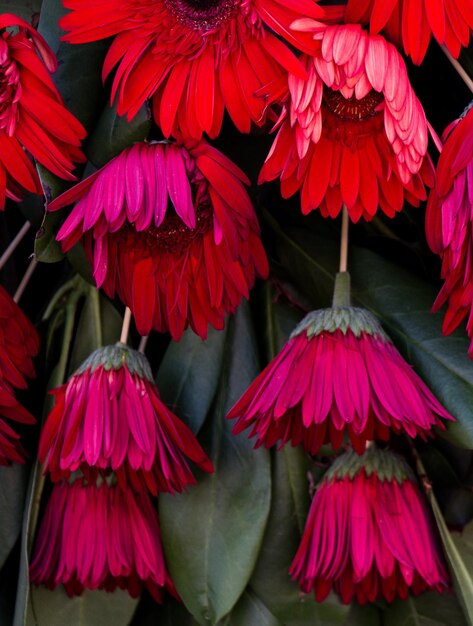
26, 279
14, 243
459, 69
143, 342
344, 241
126, 325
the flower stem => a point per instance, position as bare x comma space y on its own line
143, 342
126, 325
25, 280
459, 69
13, 245
344, 241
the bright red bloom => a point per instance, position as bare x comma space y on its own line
369, 533
197, 58
171, 229
100, 538
32, 113
11, 450
338, 373
109, 416
19, 343
449, 226
353, 132
411, 24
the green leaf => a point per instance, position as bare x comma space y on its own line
23, 8
250, 611
271, 581
113, 133
187, 378
92, 608
13, 483
46, 248
459, 551
212, 533
429, 609
402, 302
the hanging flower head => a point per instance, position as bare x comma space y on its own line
100, 537
197, 58
369, 533
32, 113
449, 225
411, 24
338, 374
109, 416
11, 450
171, 229
19, 343
353, 132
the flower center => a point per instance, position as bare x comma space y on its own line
201, 15
10, 89
351, 108
173, 235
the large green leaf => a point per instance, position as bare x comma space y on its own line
250, 611
13, 483
23, 8
402, 302
92, 608
188, 375
212, 533
429, 609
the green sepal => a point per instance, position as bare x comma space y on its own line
385, 464
115, 357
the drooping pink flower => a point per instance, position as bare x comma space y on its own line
109, 416
197, 58
170, 228
449, 224
351, 133
411, 24
369, 533
32, 113
11, 450
100, 537
338, 374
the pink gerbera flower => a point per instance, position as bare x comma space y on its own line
353, 131
369, 533
32, 113
449, 224
109, 416
100, 538
171, 229
197, 58
412, 24
338, 373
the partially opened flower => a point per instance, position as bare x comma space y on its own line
449, 224
338, 374
100, 537
109, 416
32, 113
369, 533
351, 133
197, 58
11, 450
171, 229
411, 24
19, 343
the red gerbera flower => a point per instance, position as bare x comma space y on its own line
369, 533
449, 224
100, 538
109, 416
19, 343
171, 229
196, 57
338, 373
32, 113
411, 24
353, 132
11, 450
